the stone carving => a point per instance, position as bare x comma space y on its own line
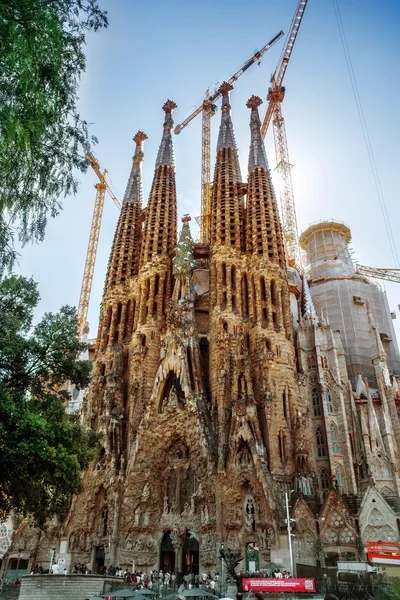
143, 544
146, 492
208, 542
79, 541
250, 514
137, 515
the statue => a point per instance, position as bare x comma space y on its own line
166, 508
146, 492
137, 515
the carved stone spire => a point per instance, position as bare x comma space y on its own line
226, 137
183, 261
227, 196
307, 304
263, 228
159, 237
257, 154
124, 257
165, 154
134, 188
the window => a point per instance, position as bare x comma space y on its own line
316, 402
324, 479
320, 439
334, 439
328, 400
339, 477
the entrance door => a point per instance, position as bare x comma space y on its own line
190, 554
191, 562
99, 558
167, 554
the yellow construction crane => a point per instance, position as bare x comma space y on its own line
379, 273
208, 109
276, 94
93, 243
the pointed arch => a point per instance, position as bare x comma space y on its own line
165, 388
316, 402
320, 441
324, 479
334, 438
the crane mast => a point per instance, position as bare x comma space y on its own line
91, 253
207, 112
86, 288
208, 109
276, 94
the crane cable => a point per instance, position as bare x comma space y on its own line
365, 132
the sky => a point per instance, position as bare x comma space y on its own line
156, 50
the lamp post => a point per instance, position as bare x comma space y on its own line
222, 567
289, 534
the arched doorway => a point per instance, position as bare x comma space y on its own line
99, 559
167, 554
190, 557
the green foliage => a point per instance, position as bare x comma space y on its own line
42, 449
43, 139
388, 591
231, 559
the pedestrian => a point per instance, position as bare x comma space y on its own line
55, 569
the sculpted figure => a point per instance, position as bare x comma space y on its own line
137, 515
166, 508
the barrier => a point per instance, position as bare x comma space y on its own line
274, 585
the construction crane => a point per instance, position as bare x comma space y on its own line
101, 188
276, 94
379, 273
208, 109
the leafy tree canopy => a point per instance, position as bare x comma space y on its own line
43, 139
42, 449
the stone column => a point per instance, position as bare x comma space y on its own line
177, 544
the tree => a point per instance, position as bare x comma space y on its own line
43, 139
231, 559
42, 449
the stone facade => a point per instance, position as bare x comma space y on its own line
211, 402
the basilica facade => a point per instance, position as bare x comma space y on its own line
223, 380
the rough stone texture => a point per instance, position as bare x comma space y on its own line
211, 404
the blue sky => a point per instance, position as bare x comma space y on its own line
177, 49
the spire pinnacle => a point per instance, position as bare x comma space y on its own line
257, 155
134, 190
183, 260
308, 307
165, 154
226, 138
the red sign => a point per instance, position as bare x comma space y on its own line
273, 584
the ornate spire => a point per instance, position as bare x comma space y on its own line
263, 228
257, 154
124, 257
227, 206
165, 154
307, 303
226, 137
183, 261
134, 189
159, 236
377, 346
